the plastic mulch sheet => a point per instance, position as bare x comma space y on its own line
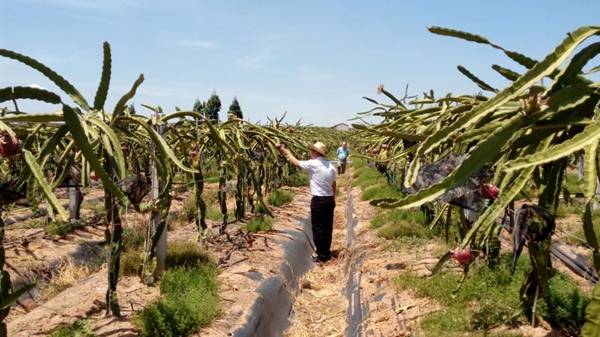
467, 195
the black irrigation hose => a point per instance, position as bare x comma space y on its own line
585, 271
579, 268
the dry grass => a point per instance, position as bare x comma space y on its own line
320, 309
68, 275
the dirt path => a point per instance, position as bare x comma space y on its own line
389, 311
355, 294
246, 268
320, 307
244, 262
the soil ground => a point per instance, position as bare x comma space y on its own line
243, 262
320, 307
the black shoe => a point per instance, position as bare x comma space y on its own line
321, 258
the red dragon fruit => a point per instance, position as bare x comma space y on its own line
9, 145
462, 256
489, 191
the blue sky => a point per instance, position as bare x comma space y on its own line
314, 59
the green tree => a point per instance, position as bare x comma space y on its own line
235, 110
212, 108
198, 106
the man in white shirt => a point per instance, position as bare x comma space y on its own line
322, 175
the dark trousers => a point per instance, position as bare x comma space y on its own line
321, 217
342, 167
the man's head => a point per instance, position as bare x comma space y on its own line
318, 149
344, 145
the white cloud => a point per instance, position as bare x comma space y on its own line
37, 86
196, 43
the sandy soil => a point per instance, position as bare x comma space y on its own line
244, 261
320, 307
391, 312
245, 268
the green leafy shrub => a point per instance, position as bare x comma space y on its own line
190, 300
260, 209
564, 305
380, 190
402, 229
186, 254
280, 197
397, 223
63, 228
260, 224
131, 262
572, 183
296, 179
213, 179
133, 238
214, 213
452, 319
373, 184
80, 328
490, 314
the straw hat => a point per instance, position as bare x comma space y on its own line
319, 148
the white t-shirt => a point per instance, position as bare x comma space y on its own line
321, 174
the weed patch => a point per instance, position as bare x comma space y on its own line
490, 298
260, 209
280, 197
572, 183
179, 254
190, 300
189, 211
296, 179
80, 328
133, 238
260, 224
397, 223
214, 213
63, 228
564, 306
380, 190
373, 184
30, 223
186, 254
131, 262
